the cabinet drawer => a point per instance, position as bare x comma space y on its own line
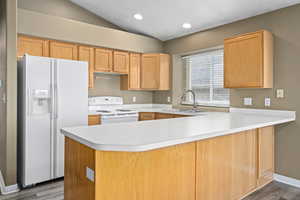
146, 116
94, 120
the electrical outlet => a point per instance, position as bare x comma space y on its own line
247, 101
169, 99
90, 174
280, 93
267, 102
133, 99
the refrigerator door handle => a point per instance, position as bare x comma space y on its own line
56, 101
28, 101
52, 121
56, 88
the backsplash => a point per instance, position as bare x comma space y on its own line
109, 85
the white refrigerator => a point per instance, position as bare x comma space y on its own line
52, 94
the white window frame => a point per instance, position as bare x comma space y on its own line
189, 100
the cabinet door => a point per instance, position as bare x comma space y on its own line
265, 155
103, 60
134, 71
32, 46
121, 62
94, 120
164, 72
226, 166
87, 54
63, 50
163, 116
143, 116
150, 71
243, 61
179, 116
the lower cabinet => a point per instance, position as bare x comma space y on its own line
230, 167
265, 155
143, 116
152, 116
163, 116
222, 168
94, 120
226, 166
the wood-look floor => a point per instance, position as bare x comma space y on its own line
54, 191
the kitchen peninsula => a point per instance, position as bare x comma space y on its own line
210, 156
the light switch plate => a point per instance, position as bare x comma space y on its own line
169, 99
280, 93
133, 99
90, 174
267, 102
247, 101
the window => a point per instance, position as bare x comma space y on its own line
205, 75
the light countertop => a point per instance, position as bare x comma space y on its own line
154, 134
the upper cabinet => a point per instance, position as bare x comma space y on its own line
32, 46
155, 72
248, 60
121, 62
134, 71
63, 50
138, 71
132, 80
103, 60
86, 53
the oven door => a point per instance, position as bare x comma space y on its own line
119, 118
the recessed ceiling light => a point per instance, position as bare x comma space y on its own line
138, 16
186, 25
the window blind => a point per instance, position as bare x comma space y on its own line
205, 75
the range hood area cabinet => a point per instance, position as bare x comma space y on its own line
147, 72
248, 60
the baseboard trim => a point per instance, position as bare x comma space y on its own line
287, 180
7, 189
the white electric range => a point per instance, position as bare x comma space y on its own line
110, 109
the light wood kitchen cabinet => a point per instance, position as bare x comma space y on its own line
94, 120
219, 168
162, 174
143, 116
155, 72
248, 60
132, 80
163, 116
179, 116
156, 116
103, 60
265, 155
226, 166
86, 53
121, 62
32, 46
63, 50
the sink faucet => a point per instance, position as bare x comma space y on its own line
194, 97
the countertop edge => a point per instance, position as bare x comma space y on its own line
148, 147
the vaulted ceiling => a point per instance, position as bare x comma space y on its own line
163, 19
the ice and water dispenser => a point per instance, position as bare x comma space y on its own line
41, 102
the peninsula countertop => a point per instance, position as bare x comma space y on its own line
154, 134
